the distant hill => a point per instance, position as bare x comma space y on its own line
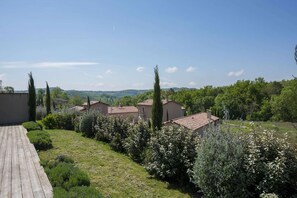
111, 94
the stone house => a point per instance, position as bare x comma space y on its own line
197, 123
129, 112
171, 110
97, 105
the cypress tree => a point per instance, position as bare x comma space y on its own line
32, 98
89, 103
48, 99
157, 108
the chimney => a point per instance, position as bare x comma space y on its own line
208, 114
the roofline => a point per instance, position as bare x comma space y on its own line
96, 103
122, 112
172, 121
192, 115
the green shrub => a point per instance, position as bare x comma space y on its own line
31, 126
50, 121
271, 165
40, 139
137, 140
112, 130
104, 128
60, 192
39, 122
66, 121
88, 122
83, 192
218, 169
229, 165
172, 153
66, 175
59, 121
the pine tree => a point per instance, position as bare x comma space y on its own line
157, 108
48, 99
32, 98
89, 103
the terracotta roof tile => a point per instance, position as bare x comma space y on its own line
123, 109
195, 121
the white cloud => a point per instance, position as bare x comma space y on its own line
140, 69
192, 83
99, 84
71, 64
2, 76
236, 73
99, 76
108, 71
167, 84
171, 69
190, 69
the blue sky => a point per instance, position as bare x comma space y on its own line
114, 45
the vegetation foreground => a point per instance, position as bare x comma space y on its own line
112, 173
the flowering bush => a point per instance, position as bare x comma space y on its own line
271, 164
251, 165
137, 140
171, 153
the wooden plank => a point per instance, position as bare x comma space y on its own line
16, 176
2, 152
24, 173
6, 181
35, 183
46, 185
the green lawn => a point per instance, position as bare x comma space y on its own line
279, 127
112, 173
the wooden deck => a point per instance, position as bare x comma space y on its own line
21, 175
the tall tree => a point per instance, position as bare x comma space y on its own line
48, 99
157, 108
32, 98
89, 103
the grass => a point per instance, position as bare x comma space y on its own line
112, 173
279, 127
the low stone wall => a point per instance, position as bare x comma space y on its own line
14, 108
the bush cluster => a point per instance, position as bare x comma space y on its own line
66, 175
172, 153
137, 141
40, 139
112, 130
88, 122
168, 153
31, 126
232, 165
59, 121
67, 179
